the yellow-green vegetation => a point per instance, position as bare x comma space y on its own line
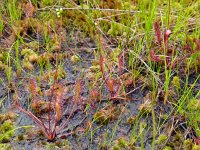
188, 144
161, 139
29, 58
3, 61
5, 146
6, 131
195, 147
176, 82
194, 105
122, 143
167, 148
75, 59
7, 127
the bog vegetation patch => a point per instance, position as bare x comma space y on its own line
105, 74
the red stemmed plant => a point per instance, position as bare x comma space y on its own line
50, 124
163, 44
169, 52
113, 85
114, 88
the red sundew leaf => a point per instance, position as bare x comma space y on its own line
110, 85
58, 103
94, 94
77, 90
77, 95
58, 111
153, 57
33, 90
33, 86
166, 36
118, 83
158, 33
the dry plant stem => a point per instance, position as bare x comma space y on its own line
93, 9
101, 35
